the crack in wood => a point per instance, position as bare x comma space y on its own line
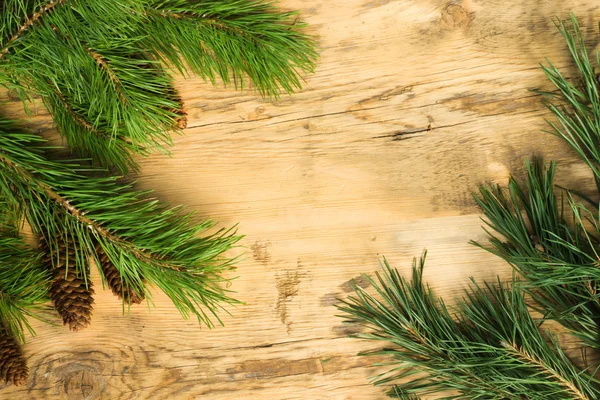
403, 135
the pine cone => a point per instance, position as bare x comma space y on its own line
13, 367
113, 279
182, 119
71, 297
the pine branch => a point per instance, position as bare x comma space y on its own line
238, 39
108, 70
23, 292
99, 65
29, 21
557, 258
23, 285
576, 106
148, 243
488, 347
87, 139
125, 105
549, 370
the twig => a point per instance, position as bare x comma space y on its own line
30, 21
80, 216
524, 355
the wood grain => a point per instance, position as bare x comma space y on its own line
414, 103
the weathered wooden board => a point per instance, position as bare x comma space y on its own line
414, 103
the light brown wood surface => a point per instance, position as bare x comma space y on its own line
414, 103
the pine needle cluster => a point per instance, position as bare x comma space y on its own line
24, 284
104, 69
550, 235
147, 242
486, 347
489, 346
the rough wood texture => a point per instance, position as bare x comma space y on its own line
415, 102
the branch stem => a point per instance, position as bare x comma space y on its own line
80, 216
531, 359
48, 7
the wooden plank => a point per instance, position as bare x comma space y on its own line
414, 103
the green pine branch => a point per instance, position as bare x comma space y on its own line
100, 66
241, 40
552, 237
576, 102
104, 71
23, 285
107, 97
555, 254
487, 347
148, 243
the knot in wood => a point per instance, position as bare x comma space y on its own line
79, 381
454, 16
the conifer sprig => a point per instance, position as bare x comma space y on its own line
243, 41
85, 61
102, 67
550, 236
555, 254
147, 242
487, 347
576, 102
23, 285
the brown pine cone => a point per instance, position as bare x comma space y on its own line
13, 368
182, 119
72, 298
113, 279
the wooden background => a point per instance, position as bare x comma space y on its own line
414, 103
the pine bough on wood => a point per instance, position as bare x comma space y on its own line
490, 346
103, 68
104, 71
487, 347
